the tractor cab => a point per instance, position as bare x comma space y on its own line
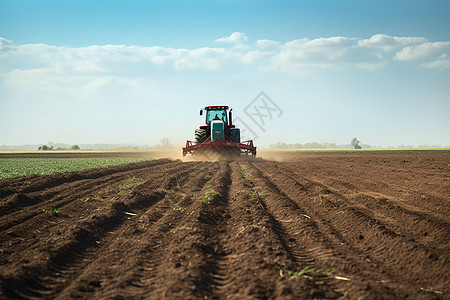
216, 113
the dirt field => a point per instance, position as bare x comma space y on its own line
218, 230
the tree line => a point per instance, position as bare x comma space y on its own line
46, 148
355, 144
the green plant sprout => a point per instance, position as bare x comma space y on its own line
52, 211
307, 270
209, 196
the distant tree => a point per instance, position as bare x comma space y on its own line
165, 142
330, 145
355, 143
279, 146
75, 147
313, 145
45, 147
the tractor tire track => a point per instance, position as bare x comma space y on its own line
55, 197
366, 236
139, 237
35, 183
389, 216
33, 195
64, 194
144, 237
430, 231
159, 233
280, 252
320, 242
91, 230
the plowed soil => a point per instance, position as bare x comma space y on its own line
218, 230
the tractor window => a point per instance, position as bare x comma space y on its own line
212, 115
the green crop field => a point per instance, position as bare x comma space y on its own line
18, 167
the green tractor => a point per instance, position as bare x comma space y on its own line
218, 135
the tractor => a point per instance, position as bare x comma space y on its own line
218, 137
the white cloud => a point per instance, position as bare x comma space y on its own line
235, 38
304, 55
420, 51
440, 64
326, 53
54, 67
202, 58
388, 43
5, 45
261, 44
106, 81
252, 57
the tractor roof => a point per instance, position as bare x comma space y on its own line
216, 107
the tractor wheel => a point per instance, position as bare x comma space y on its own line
200, 135
235, 135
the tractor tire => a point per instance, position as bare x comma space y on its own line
235, 135
200, 135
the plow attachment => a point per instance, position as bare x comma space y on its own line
220, 148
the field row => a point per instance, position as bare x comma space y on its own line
315, 227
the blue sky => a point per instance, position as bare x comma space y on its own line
136, 71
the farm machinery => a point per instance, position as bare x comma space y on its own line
218, 137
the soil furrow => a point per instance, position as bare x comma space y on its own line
411, 177
366, 235
428, 230
145, 238
185, 253
31, 197
279, 252
359, 225
75, 242
319, 241
64, 194
389, 202
34, 183
392, 219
